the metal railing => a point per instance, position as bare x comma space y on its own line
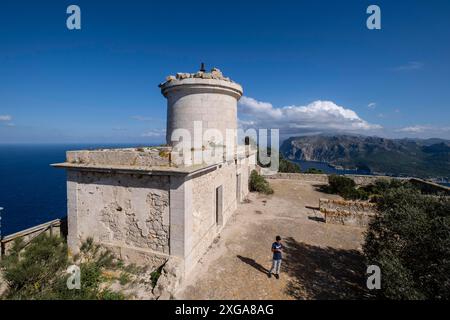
57, 226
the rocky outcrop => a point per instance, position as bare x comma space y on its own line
333, 148
169, 280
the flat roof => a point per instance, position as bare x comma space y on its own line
154, 170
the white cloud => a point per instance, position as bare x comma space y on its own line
413, 129
372, 105
423, 129
410, 66
119, 129
142, 118
316, 116
5, 117
154, 133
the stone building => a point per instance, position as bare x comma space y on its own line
154, 203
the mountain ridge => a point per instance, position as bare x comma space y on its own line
427, 158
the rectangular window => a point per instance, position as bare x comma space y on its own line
238, 188
219, 205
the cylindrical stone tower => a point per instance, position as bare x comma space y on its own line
208, 98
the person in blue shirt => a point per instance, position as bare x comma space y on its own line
277, 248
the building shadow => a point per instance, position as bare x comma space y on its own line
324, 188
324, 273
315, 218
253, 263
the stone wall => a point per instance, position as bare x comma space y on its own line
129, 213
205, 227
351, 213
323, 178
147, 216
360, 180
428, 187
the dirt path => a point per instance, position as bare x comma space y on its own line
321, 261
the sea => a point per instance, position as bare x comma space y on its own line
327, 168
33, 192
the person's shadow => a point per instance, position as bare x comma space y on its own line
254, 264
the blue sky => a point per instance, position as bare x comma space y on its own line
99, 84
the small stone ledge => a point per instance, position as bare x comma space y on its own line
144, 157
148, 160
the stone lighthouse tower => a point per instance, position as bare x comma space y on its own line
147, 205
201, 101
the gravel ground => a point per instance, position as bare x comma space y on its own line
321, 261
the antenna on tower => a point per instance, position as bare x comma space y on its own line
202, 67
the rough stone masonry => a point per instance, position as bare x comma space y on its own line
149, 205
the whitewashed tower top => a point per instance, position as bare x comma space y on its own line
206, 97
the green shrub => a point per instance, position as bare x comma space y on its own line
355, 194
38, 270
30, 270
259, 184
410, 241
124, 278
314, 171
341, 184
382, 185
288, 166
345, 187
